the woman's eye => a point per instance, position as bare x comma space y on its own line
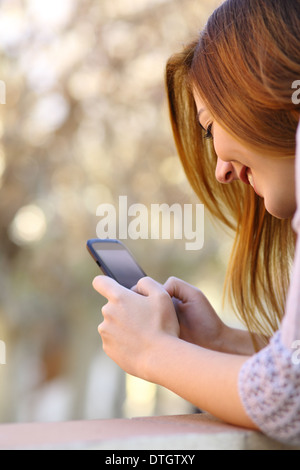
208, 134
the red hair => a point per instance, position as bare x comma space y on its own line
243, 66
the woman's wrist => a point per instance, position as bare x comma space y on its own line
233, 341
161, 352
240, 342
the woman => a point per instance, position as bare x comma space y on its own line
235, 123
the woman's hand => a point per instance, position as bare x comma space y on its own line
140, 332
199, 323
134, 322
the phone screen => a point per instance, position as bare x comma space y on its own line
117, 262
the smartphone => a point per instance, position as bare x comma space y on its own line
115, 261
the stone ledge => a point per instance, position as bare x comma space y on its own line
185, 432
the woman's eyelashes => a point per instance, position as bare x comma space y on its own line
208, 132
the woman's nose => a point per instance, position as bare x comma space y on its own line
225, 172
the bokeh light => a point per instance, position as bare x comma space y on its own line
29, 225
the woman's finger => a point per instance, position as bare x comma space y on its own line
109, 288
147, 286
179, 289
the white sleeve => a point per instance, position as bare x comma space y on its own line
269, 382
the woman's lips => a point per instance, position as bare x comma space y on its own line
246, 177
251, 180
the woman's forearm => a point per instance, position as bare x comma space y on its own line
241, 342
205, 378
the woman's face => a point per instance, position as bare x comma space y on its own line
272, 178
